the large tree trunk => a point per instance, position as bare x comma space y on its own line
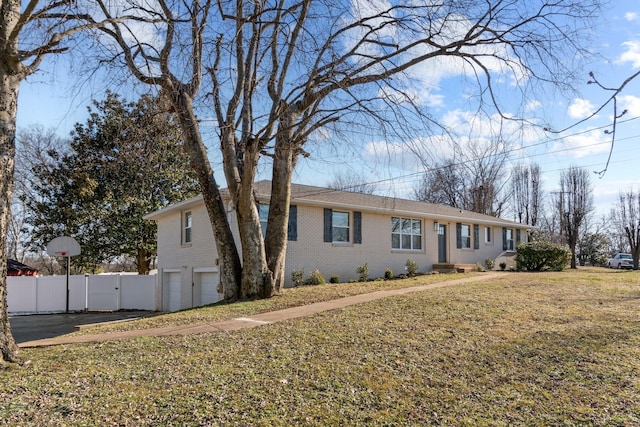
254, 271
573, 242
231, 267
572, 239
143, 261
277, 233
240, 165
8, 112
633, 236
254, 265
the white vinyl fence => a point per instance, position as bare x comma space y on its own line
47, 294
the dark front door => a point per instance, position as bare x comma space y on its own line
442, 243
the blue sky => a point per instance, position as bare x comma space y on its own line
52, 98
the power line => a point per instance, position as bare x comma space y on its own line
406, 177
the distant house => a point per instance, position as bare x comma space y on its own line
15, 268
334, 232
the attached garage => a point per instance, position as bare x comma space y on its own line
187, 288
206, 282
172, 290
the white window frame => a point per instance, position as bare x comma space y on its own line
335, 229
510, 237
465, 240
488, 235
187, 228
409, 235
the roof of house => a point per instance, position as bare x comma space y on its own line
336, 199
16, 268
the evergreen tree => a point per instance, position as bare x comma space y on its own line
124, 162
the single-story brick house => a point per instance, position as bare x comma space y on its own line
334, 232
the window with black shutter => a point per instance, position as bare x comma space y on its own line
338, 226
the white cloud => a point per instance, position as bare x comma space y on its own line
580, 108
452, 28
394, 155
470, 133
424, 78
533, 105
469, 124
632, 53
631, 104
426, 97
431, 99
585, 144
631, 16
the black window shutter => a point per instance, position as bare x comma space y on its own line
518, 237
504, 239
357, 227
458, 235
328, 225
476, 236
292, 228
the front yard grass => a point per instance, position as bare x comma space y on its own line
290, 297
522, 349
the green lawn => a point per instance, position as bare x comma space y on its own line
523, 349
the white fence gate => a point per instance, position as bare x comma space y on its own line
47, 294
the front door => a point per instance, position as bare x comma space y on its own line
442, 243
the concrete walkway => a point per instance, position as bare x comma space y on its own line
255, 320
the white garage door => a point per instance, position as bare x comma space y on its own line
172, 283
209, 287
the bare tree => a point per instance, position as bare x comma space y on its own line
626, 217
443, 185
486, 191
616, 234
527, 194
472, 180
549, 222
593, 244
29, 31
351, 181
279, 71
575, 203
15, 231
33, 146
183, 29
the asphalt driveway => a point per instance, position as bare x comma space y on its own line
41, 326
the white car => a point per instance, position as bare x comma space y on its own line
620, 261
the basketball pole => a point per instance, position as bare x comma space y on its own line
67, 247
68, 268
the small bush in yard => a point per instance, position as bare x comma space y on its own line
503, 266
412, 267
334, 279
363, 272
315, 278
297, 277
388, 274
489, 263
542, 255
